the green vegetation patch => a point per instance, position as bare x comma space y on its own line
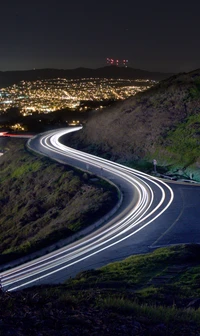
26, 168
184, 141
153, 313
167, 272
194, 91
42, 201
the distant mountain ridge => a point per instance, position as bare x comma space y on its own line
13, 77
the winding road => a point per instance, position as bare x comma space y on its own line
148, 212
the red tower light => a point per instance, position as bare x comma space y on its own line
117, 62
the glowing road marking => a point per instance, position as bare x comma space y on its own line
136, 216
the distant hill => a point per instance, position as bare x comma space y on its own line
162, 122
11, 77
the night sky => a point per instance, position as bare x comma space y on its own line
152, 35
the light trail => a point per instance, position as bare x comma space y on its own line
144, 210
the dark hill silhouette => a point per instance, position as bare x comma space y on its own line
13, 77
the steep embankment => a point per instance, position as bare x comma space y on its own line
162, 122
42, 202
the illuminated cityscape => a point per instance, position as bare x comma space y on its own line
45, 96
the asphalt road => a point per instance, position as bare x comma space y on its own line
151, 215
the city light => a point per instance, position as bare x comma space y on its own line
45, 96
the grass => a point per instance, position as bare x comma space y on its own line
26, 168
43, 202
160, 123
138, 272
154, 313
127, 287
142, 165
133, 270
98, 307
184, 141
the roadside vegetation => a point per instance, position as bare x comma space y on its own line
166, 275
161, 123
42, 201
152, 294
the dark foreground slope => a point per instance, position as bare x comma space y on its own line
162, 122
42, 201
154, 294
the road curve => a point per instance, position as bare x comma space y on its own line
145, 199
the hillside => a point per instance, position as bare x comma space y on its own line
42, 201
13, 77
162, 123
156, 294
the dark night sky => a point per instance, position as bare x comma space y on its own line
154, 35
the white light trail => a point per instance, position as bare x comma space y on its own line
133, 220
